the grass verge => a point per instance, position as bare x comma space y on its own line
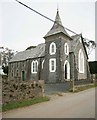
83, 87
0, 108
24, 103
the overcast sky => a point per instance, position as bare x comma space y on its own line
22, 27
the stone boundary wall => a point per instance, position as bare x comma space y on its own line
13, 90
83, 82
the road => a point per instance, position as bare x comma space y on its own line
75, 105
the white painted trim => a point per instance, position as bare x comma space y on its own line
50, 64
68, 69
42, 64
81, 60
80, 40
66, 47
35, 64
50, 48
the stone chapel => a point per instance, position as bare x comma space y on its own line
61, 58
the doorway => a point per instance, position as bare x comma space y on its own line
66, 70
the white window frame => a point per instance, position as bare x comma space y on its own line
81, 60
50, 48
50, 65
80, 40
66, 49
42, 64
34, 66
68, 69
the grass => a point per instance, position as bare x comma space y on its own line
24, 103
84, 87
0, 108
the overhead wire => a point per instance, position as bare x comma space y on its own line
43, 15
48, 18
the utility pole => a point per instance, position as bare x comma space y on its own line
73, 73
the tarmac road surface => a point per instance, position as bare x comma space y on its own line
75, 105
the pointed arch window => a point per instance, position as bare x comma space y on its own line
52, 49
66, 49
12, 73
67, 70
42, 64
81, 61
34, 66
17, 73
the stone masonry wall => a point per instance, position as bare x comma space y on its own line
13, 90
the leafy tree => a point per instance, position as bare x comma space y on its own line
5, 55
5, 69
90, 44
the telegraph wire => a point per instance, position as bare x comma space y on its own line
48, 18
35, 11
43, 16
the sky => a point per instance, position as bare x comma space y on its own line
21, 27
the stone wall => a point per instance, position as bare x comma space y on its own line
93, 77
83, 82
13, 90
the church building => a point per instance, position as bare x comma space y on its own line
61, 58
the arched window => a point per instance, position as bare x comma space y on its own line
12, 73
66, 49
42, 64
52, 65
17, 73
66, 70
81, 61
34, 66
52, 49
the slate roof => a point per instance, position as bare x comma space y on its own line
39, 51
75, 42
57, 27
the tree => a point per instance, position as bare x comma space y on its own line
90, 45
5, 55
5, 69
